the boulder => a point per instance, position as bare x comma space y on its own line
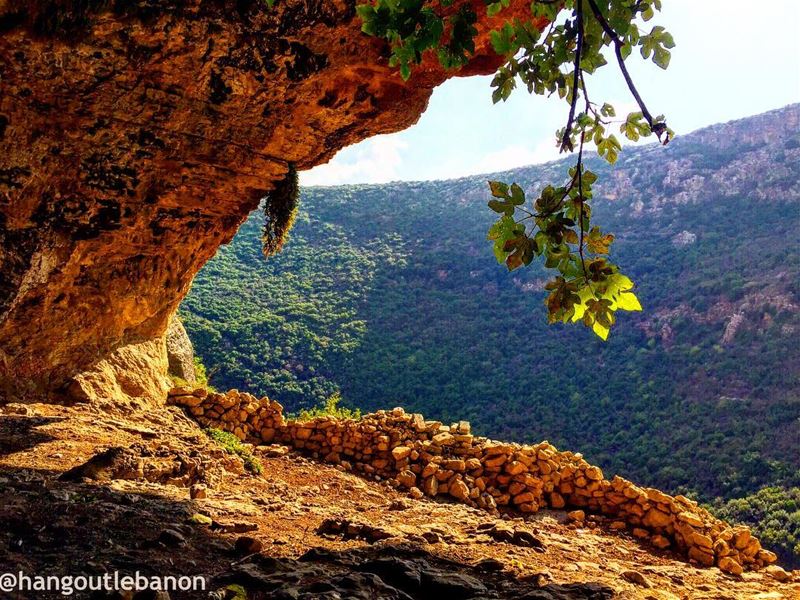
656, 518
180, 352
458, 489
778, 573
407, 479
729, 565
577, 516
401, 452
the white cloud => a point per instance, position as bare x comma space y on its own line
509, 157
376, 160
518, 155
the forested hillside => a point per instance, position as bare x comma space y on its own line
391, 295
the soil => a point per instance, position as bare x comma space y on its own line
301, 529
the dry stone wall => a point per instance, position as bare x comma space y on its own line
432, 459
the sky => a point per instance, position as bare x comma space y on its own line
733, 58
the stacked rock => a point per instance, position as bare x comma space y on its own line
433, 459
242, 414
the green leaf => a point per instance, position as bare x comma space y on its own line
607, 110
628, 301
498, 189
597, 242
503, 39
498, 206
619, 283
200, 519
610, 147
368, 16
589, 177
601, 330
662, 57
517, 195
571, 236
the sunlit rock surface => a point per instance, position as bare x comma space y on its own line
135, 140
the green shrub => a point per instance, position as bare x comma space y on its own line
201, 374
233, 445
329, 408
773, 513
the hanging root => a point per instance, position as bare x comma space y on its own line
280, 210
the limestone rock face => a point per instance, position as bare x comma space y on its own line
129, 373
180, 353
134, 140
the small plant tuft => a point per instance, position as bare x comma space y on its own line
329, 408
201, 377
233, 445
280, 211
201, 374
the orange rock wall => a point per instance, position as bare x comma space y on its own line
135, 140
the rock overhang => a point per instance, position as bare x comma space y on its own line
134, 140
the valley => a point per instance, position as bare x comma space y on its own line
389, 295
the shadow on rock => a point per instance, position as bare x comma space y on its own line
52, 526
392, 573
18, 433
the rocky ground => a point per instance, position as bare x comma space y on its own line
157, 496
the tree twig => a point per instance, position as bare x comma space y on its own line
566, 142
579, 169
658, 128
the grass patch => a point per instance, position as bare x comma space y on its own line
233, 445
236, 592
329, 408
201, 378
201, 374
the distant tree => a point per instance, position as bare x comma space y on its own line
550, 52
774, 515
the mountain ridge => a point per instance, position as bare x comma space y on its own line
790, 110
